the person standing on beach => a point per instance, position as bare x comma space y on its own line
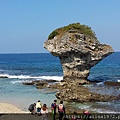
61, 110
86, 115
53, 108
38, 107
44, 112
32, 108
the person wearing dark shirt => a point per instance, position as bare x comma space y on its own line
53, 108
32, 108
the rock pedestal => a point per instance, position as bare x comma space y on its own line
78, 50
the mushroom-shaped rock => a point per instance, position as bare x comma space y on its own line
78, 49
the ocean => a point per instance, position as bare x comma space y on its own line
43, 66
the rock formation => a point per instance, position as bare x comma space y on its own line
78, 50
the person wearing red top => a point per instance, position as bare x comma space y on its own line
86, 115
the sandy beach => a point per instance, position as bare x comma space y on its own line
11, 112
9, 108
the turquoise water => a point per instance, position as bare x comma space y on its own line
27, 67
22, 95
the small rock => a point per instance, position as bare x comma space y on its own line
110, 83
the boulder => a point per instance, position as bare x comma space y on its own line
41, 85
28, 83
110, 83
3, 77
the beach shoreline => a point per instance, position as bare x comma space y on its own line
10, 108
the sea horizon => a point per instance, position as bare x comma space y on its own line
32, 52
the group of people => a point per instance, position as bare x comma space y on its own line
43, 110
61, 109
37, 107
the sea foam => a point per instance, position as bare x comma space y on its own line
118, 80
58, 78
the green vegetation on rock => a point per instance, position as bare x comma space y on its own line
53, 34
77, 27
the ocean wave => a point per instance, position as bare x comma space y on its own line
20, 81
99, 110
15, 76
3, 75
40, 78
100, 83
84, 107
59, 78
27, 78
118, 80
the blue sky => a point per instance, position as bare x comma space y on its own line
26, 24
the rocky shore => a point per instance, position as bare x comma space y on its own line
78, 50
75, 94
80, 91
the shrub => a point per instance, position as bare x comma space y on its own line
83, 29
53, 34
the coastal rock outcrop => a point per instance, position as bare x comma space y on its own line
78, 49
79, 93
